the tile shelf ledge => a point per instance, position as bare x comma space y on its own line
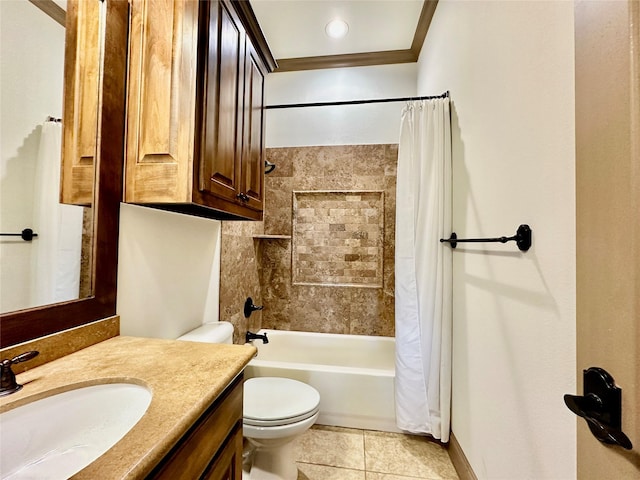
272, 237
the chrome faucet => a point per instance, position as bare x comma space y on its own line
8, 383
255, 336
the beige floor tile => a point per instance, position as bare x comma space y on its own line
307, 471
407, 455
331, 446
387, 476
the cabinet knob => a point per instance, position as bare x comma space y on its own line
243, 196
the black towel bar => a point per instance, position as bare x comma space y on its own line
26, 234
522, 239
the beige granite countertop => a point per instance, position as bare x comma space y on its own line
184, 378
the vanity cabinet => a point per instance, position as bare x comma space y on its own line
212, 447
195, 132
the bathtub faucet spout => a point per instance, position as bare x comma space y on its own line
254, 336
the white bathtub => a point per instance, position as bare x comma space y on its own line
353, 373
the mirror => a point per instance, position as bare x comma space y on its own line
55, 264
104, 161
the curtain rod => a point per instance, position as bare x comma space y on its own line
355, 102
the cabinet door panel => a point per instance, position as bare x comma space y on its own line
161, 101
220, 150
82, 83
228, 464
253, 135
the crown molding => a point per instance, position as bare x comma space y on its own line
424, 22
52, 9
387, 57
245, 12
345, 60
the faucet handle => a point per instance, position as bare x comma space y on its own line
249, 307
23, 357
8, 383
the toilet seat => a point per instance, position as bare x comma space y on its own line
274, 401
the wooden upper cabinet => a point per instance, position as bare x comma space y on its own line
252, 181
163, 43
81, 93
191, 142
220, 152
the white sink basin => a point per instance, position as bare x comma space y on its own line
57, 436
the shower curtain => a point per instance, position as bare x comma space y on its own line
423, 270
56, 266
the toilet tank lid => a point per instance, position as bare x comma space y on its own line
212, 332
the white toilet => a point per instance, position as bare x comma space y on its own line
212, 332
275, 412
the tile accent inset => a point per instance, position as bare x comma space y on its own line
338, 238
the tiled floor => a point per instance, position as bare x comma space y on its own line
333, 453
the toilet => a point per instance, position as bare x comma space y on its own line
276, 411
211, 332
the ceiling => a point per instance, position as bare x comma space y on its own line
380, 31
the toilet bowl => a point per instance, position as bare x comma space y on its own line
275, 412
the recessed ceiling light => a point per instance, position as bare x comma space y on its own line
337, 28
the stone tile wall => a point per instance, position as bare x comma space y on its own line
86, 254
240, 276
334, 305
330, 308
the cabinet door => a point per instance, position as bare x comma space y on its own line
161, 100
228, 464
221, 131
82, 81
253, 135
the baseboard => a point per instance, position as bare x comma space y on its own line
459, 460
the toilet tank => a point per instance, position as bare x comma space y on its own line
213, 332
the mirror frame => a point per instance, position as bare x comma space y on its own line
24, 325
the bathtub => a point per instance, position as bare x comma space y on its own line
353, 373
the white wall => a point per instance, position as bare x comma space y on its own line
510, 69
168, 272
337, 125
31, 77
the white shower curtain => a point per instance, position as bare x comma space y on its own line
423, 270
56, 266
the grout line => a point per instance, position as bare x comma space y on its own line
327, 465
364, 452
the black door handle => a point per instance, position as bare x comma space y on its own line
601, 407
